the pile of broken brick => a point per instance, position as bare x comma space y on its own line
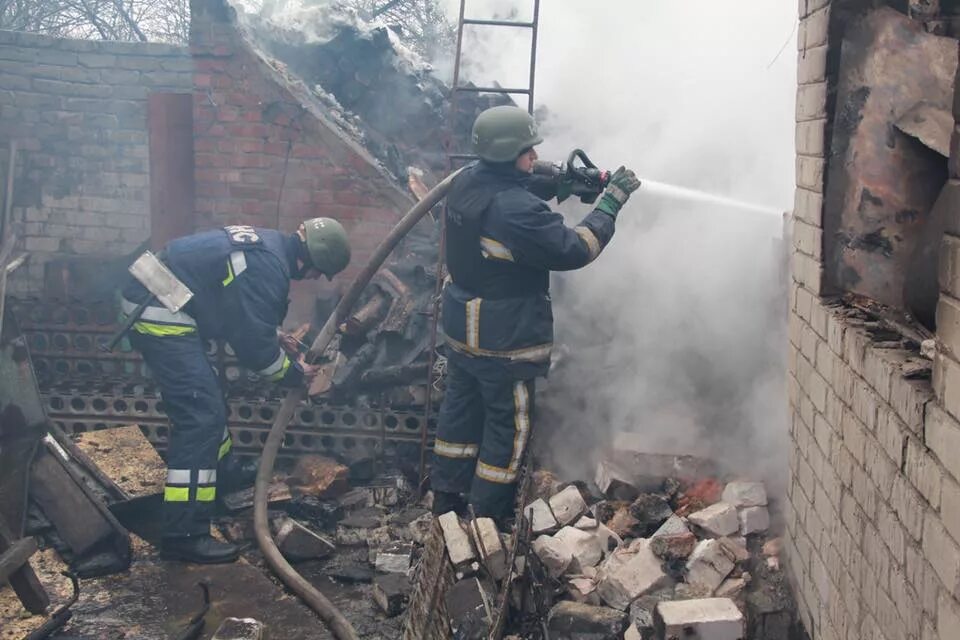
633, 555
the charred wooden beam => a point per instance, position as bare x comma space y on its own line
394, 376
350, 372
402, 305
323, 382
367, 316
15, 568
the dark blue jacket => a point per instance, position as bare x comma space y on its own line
502, 244
240, 277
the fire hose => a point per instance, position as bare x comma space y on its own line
338, 624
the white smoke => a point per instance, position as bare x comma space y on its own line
677, 332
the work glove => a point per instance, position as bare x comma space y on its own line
623, 182
290, 345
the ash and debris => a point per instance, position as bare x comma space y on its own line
652, 545
357, 544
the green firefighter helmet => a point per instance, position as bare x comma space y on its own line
327, 245
501, 134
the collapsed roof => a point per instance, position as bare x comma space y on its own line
369, 83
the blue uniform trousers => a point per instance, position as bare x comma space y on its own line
195, 405
482, 434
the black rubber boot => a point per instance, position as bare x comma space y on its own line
444, 502
235, 473
204, 549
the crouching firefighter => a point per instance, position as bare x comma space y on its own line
240, 278
502, 243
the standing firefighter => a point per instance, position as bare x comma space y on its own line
240, 277
502, 244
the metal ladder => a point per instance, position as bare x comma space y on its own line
533, 26
452, 158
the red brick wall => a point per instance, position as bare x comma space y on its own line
265, 153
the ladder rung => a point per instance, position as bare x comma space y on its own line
499, 23
492, 90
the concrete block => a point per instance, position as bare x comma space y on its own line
892, 435
458, 542
814, 29
908, 504
745, 494
731, 588
808, 207
719, 519
97, 60
703, 619
374, 537
632, 633
555, 555
673, 526
948, 616
394, 558
607, 539
568, 506
541, 520
909, 399
810, 137
629, 574
392, 593
893, 534
296, 542
586, 523
583, 589
949, 267
810, 176
942, 436
490, 547
924, 472
812, 65
574, 620
811, 103
709, 565
467, 602
950, 508
943, 552
807, 239
583, 545
673, 547
754, 520
736, 548
806, 270
614, 481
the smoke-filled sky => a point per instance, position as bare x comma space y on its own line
677, 331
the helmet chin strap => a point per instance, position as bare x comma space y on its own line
303, 258
300, 273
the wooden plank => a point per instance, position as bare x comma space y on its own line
23, 580
13, 559
76, 519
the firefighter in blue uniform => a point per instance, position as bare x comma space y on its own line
240, 277
502, 243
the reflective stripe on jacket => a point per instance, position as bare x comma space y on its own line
240, 277
502, 244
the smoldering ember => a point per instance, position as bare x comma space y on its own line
281, 284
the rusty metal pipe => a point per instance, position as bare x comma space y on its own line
335, 620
